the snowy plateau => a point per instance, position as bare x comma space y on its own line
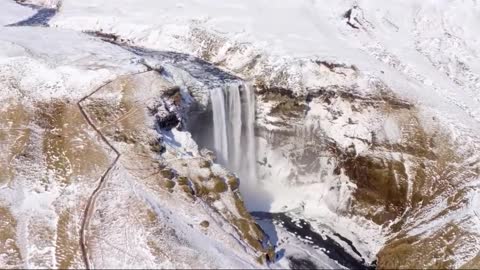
266, 134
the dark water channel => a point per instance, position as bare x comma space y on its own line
303, 230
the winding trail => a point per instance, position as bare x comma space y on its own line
90, 207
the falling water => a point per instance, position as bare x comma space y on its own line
233, 120
251, 159
220, 129
235, 127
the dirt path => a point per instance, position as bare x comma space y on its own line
90, 207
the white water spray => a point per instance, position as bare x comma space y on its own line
235, 127
251, 159
234, 136
220, 129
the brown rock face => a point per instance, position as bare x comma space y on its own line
380, 183
432, 250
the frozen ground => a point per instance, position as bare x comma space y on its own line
426, 51
435, 64
44, 69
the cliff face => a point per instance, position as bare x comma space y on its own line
371, 158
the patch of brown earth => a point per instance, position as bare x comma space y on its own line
473, 263
10, 253
41, 235
14, 135
69, 150
431, 251
69, 154
67, 250
381, 185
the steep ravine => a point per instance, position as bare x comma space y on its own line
201, 77
382, 182
404, 175
200, 111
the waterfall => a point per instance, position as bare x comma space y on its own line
251, 160
233, 109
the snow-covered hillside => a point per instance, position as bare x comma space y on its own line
367, 128
68, 194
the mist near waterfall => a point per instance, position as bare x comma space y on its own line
228, 129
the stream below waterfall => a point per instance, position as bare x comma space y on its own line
336, 247
41, 18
